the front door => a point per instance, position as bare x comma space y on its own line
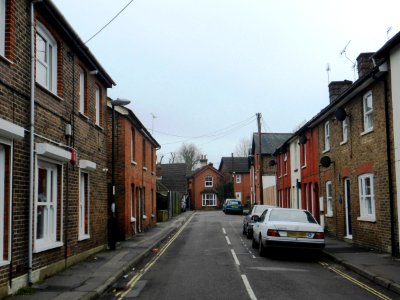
349, 232
239, 196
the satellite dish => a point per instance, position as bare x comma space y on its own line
302, 139
325, 161
340, 114
272, 163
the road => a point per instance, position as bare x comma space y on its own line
211, 259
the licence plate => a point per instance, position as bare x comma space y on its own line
234, 206
297, 234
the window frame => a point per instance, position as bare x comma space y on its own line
304, 156
82, 91
208, 182
368, 115
133, 143
285, 164
329, 201
97, 101
4, 200
210, 198
238, 178
345, 131
327, 136
51, 55
3, 28
84, 206
365, 215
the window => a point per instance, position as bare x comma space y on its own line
132, 145
327, 137
132, 203
4, 201
208, 181
47, 207
152, 158
144, 153
98, 105
345, 130
2, 27
285, 163
82, 92
46, 59
368, 109
84, 206
367, 197
329, 208
304, 155
209, 199
238, 178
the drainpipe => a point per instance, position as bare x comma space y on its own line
32, 145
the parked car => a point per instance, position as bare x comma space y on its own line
288, 228
233, 206
248, 220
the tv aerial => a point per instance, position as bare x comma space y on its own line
353, 64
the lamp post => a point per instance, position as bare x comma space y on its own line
112, 226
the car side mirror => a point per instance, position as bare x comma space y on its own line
256, 218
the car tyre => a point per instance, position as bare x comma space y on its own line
244, 231
254, 243
261, 249
249, 235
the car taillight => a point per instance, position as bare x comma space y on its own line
319, 235
272, 232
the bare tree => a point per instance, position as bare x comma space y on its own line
190, 155
242, 148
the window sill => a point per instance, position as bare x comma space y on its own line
84, 116
153, 173
4, 263
83, 237
326, 150
144, 217
304, 166
6, 60
46, 90
367, 131
133, 162
367, 219
47, 246
144, 169
133, 220
343, 143
330, 215
98, 126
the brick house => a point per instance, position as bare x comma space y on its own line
269, 143
202, 186
237, 169
52, 111
135, 169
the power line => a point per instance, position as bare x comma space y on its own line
109, 22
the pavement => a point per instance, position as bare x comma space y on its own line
93, 277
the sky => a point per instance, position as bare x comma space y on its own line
199, 71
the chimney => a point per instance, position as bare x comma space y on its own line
336, 88
364, 63
203, 161
158, 170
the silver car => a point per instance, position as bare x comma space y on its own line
288, 228
248, 221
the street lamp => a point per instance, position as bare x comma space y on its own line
112, 226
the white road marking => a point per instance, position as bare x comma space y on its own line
235, 257
248, 288
223, 230
228, 240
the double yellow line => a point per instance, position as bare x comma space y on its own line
355, 281
131, 284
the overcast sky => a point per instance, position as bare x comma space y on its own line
205, 68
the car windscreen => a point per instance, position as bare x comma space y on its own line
234, 202
291, 216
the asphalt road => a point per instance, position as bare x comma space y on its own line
211, 259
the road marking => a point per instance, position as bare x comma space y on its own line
248, 288
131, 284
223, 230
355, 281
235, 257
228, 240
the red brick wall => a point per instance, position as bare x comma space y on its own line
198, 185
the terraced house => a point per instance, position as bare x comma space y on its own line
53, 200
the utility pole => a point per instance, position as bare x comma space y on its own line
260, 165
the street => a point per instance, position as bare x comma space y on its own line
209, 258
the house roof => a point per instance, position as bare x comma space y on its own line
161, 189
269, 142
234, 164
51, 12
385, 49
200, 170
174, 176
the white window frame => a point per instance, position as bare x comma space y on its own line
285, 163
208, 200
304, 156
329, 204
238, 178
97, 104
208, 182
327, 136
81, 91
367, 197
49, 239
368, 112
49, 80
132, 203
2, 27
133, 152
345, 131
2, 201
83, 197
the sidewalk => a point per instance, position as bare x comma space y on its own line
377, 267
91, 278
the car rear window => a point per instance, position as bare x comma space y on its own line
234, 202
291, 216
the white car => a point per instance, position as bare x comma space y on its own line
288, 228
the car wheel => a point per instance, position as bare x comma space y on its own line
253, 243
261, 248
244, 231
249, 234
